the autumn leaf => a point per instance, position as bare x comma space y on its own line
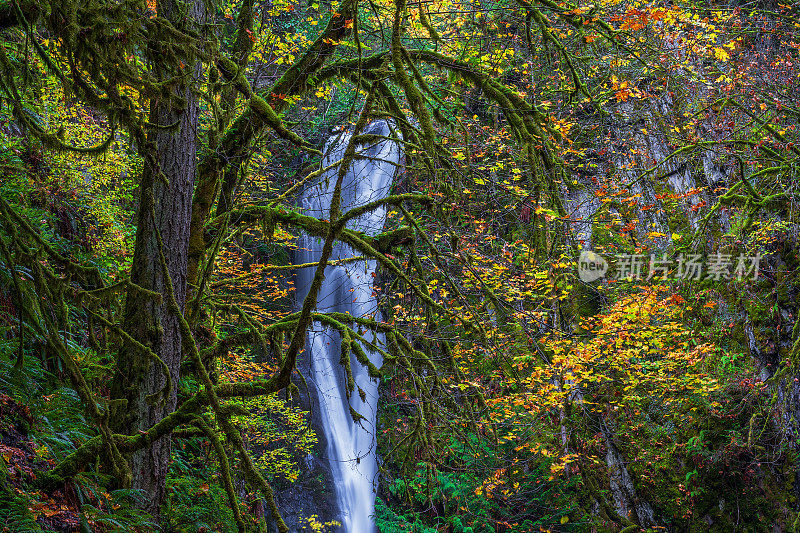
622, 92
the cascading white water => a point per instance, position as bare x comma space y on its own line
348, 288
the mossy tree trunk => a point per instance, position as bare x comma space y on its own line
164, 211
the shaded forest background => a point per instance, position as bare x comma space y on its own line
151, 156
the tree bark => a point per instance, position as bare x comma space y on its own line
165, 209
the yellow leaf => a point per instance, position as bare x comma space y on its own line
721, 54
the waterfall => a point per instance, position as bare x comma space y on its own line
347, 288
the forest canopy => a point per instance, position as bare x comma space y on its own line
580, 265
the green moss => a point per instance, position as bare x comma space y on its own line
586, 300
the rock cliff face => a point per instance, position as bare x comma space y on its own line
313, 494
664, 188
